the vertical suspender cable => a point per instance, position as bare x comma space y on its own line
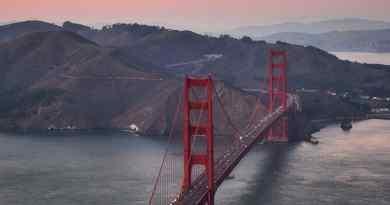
170, 141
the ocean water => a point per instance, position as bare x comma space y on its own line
364, 57
102, 168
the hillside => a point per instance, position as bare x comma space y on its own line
361, 41
14, 30
59, 79
132, 74
243, 62
116, 35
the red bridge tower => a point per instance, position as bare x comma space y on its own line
277, 94
204, 130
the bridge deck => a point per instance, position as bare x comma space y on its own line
225, 164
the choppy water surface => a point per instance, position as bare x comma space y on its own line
345, 168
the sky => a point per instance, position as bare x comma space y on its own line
199, 15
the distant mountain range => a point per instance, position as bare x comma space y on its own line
353, 35
351, 24
358, 41
116, 76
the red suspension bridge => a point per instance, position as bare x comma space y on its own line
206, 164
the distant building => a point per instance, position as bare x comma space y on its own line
133, 128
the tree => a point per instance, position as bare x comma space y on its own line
246, 39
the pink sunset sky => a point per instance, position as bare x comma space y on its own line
201, 15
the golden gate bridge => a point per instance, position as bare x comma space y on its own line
206, 163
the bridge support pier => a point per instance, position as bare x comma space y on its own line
204, 130
277, 91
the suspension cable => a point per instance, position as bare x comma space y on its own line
170, 141
258, 101
253, 115
227, 117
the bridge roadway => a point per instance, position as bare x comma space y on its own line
225, 164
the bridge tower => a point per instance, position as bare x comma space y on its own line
204, 130
277, 91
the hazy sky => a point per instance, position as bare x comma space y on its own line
201, 15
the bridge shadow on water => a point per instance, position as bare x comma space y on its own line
270, 171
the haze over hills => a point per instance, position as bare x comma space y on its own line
360, 41
310, 28
119, 75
